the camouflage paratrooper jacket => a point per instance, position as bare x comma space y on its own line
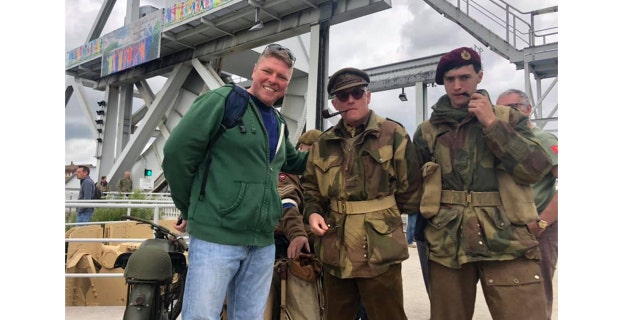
469, 155
376, 165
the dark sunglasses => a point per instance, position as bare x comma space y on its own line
357, 94
277, 47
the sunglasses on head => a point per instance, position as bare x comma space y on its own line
357, 94
277, 47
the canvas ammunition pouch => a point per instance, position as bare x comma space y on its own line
432, 187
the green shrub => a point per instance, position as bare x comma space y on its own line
114, 214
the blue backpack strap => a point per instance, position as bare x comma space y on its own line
235, 106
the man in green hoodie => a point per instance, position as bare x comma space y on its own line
231, 222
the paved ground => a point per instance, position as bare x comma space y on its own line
416, 299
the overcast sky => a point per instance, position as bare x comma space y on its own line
410, 29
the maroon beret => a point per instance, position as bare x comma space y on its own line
455, 59
347, 78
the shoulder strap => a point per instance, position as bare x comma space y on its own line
429, 137
235, 105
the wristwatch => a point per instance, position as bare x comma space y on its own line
542, 224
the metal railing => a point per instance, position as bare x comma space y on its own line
167, 212
521, 28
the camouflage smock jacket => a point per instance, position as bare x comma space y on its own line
469, 155
360, 183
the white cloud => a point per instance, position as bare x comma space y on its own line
80, 151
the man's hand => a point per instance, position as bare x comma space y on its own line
317, 224
296, 245
533, 226
180, 225
481, 107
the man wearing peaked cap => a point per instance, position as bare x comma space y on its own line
362, 170
479, 163
347, 78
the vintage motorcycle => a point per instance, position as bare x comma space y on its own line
155, 275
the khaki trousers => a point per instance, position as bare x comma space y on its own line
382, 296
512, 289
549, 249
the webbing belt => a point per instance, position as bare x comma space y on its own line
475, 199
357, 207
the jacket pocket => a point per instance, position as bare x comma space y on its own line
496, 216
431, 189
442, 232
387, 242
517, 199
327, 170
378, 164
516, 272
330, 246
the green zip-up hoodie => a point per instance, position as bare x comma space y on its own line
241, 205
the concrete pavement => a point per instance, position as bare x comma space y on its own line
415, 295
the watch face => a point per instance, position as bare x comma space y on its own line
542, 224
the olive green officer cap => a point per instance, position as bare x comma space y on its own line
346, 78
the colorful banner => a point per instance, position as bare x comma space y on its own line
187, 9
133, 44
138, 42
86, 52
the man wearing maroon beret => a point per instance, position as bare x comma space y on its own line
478, 162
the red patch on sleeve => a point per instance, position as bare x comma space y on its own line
284, 177
555, 148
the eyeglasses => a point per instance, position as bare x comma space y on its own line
276, 47
357, 94
515, 105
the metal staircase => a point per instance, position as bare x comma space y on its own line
524, 38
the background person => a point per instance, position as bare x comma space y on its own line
103, 184
470, 237
231, 227
546, 194
125, 184
361, 174
87, 189
411, 228
292, 234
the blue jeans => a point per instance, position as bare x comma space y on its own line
411, 226
84, 216
242, 274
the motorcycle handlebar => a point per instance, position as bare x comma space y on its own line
164, 231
